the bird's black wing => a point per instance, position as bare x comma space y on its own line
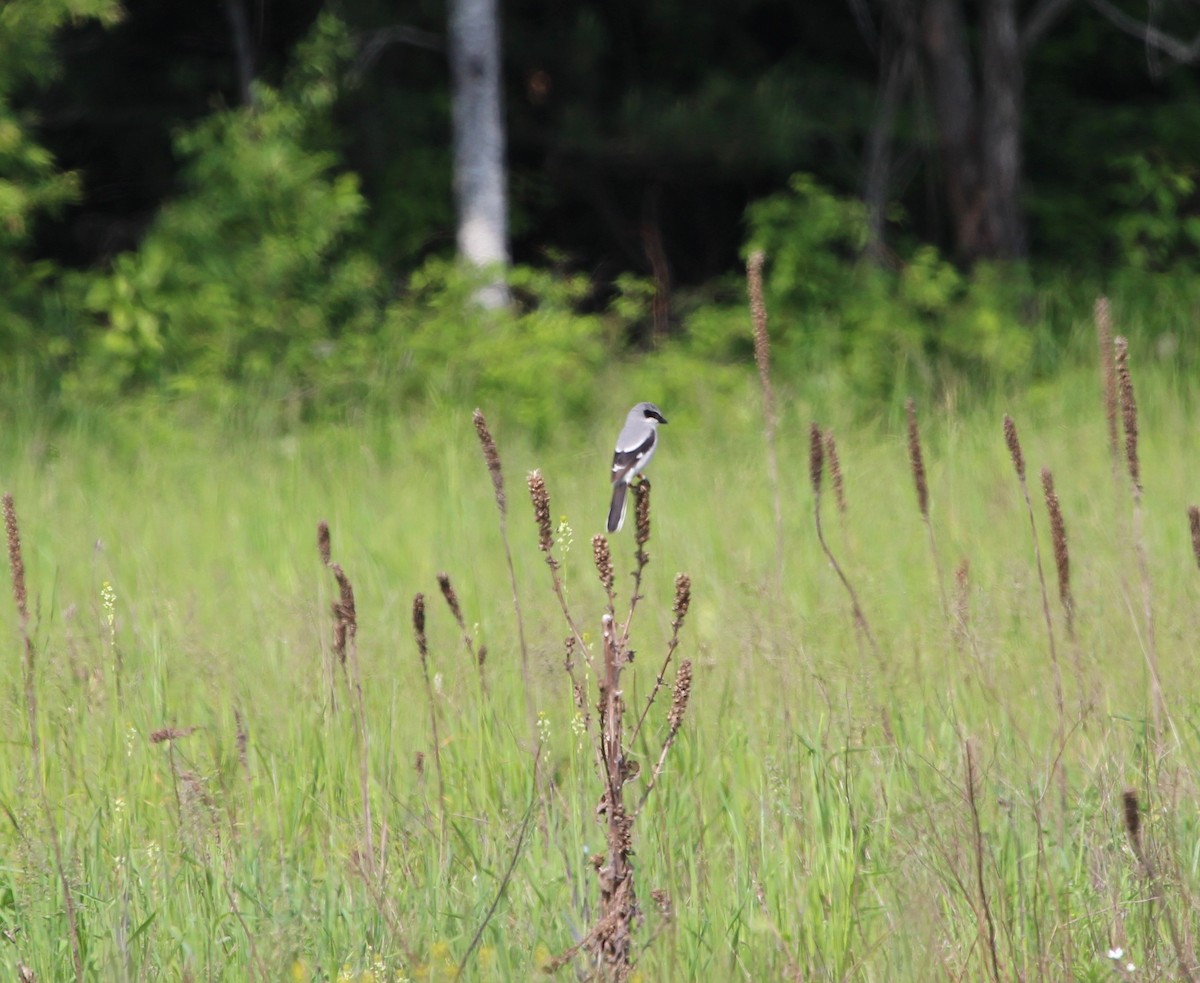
626, 461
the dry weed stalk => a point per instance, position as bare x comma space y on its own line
1133, 830
1194, 525
1104, 338
835, 471
345, 648
916, 462
1129, 420
478, 656
1062, 565
1018, 460
16, 562
987, 926
491, 457
816, 465
609, 941
418, 621
762, 357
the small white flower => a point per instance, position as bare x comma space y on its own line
1130, 967
1116, 953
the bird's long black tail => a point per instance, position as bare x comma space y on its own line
616, 511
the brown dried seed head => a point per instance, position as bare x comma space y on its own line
15, 561
683, 691
835, 471
662, 901
1058, 536
1014, 446
603, 558
492, 458
758, 313
418, 619
1194, 524
451, 597
323, 543
541, 510
916, 459
1133, 814
816, 457
171, 734
641, 492
1104, 337
1128, 411
419, 762
683, 598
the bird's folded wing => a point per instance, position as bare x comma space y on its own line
626, 460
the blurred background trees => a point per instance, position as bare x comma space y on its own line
203, 197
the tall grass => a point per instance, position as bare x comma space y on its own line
820, 815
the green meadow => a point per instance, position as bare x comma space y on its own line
979, 794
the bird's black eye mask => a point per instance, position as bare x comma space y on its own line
655, 415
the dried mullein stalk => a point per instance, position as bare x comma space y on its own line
451, 597
1133, 814
679, 700
683, 599
418, 620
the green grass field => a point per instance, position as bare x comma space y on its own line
814, 818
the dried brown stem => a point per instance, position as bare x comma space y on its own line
815, 461
916, 462
418, 621
683, 599
16, 564
1194, 525
762, 357
491, 457
477, 656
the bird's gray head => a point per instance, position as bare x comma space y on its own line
647, 411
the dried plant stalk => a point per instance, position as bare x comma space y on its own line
16, 563
1104, 338
602, 556
816, 458
762, 357
1018, 460
477, 656
835, 471
1062, 555
345, 648
1194, 525
1129, 414
491, 457
418, 622
1132, 815
916, 460
683, 600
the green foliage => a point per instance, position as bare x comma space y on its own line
252, 273
31, 184
1159, 225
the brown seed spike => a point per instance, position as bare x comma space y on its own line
1128, 412
451, 597
1133, 814
835, 471
418, 619
816, 458
1014, 446
683, 599
323, 543
1194, 523
1058, 536
641, 493
491, 457
603, 558
683, 691
541, 510
758, 314
15, 560
916, 459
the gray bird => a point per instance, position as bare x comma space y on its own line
635, 446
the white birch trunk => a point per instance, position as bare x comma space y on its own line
480, 177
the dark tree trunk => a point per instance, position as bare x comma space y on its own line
1003, 93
